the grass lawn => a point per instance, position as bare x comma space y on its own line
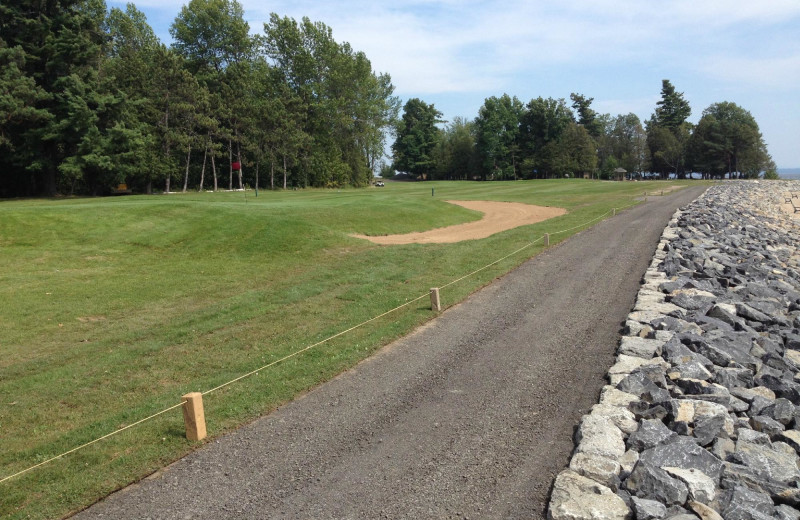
112, 308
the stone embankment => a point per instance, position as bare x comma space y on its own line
701, 417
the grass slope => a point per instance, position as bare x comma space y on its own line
113, 308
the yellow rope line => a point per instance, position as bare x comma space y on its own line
296, 353
293, 354
140, 421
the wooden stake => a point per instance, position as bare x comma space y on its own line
614, 214
436, 304
547, 240
193, 416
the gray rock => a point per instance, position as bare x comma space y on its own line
708, 428
678, 354
650, 481
638, 384
733, 377
768, 462
782, 388
575, 497
737, 405
767, 425
701, 488
784, 512
721, 314
741, 503
735, 474
749, 313
686, 454
782, 410
759, 404
723, 448
753, 436
649, 435
645, 509
640, 347
690, 370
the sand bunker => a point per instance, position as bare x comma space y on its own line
497, 217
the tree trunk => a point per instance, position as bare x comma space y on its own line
239, 158
149, 188
284, 172
214, 170
203, 169
230, 165
186, 173
256, 177
272, 175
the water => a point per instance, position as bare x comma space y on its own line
789, 173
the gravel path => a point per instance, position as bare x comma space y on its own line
471, 416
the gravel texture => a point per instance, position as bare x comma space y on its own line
709, 372
471, 416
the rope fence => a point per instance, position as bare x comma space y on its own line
317, 344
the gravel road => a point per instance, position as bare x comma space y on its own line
471, 416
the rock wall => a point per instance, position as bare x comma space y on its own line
701, 416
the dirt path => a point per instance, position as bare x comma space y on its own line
471, 416
497, 217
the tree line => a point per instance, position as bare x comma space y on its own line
547, 138
90, 98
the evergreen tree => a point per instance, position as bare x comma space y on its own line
417, 136
587, 117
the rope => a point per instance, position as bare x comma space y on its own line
73, 450
293, 354
298, 352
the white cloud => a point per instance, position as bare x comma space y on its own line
774, 73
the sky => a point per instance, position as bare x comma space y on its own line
455, 54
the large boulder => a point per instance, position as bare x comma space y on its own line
575, 497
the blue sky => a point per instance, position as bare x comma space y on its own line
455, 54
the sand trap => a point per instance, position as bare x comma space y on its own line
497, 217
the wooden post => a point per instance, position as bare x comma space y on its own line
194, 417
614, 214
436, 304
547, 240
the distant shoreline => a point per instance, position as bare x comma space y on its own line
789, 173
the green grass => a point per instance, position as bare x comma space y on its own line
112, 308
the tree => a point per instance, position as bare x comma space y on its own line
59, 45
343, 106
587, 117
668, 152
626, 141
417, 136
672, 110
727, 141
497, 140
20, 99
456, 152
543, 124
211, 34
668, 149
578, 152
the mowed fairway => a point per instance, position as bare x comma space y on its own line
112, 308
